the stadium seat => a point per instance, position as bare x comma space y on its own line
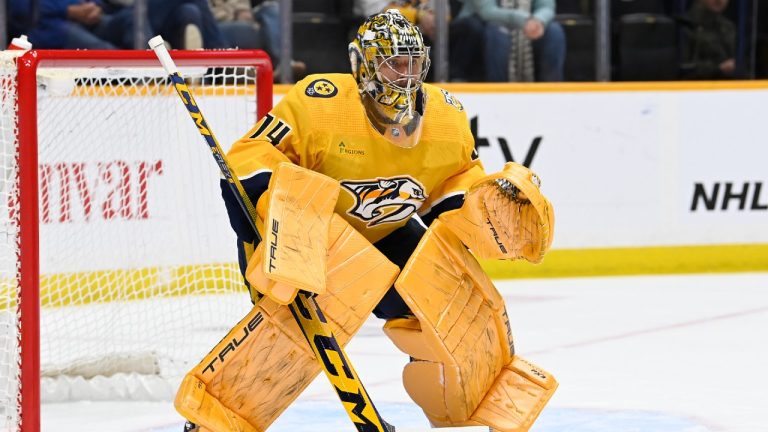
647, 48
580, 56
574, 7
320, 41
315, 6
762, 43
626, 7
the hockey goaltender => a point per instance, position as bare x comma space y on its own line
372, 198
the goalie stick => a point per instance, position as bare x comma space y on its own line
304, 308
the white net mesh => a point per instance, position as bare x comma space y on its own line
137, 261
9, 293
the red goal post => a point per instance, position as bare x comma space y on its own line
67, 197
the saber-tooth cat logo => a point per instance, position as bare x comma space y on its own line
385, 200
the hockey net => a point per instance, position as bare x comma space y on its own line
135, 269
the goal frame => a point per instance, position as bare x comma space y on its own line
28, 201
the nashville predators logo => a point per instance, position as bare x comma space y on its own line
451, 100
321, 88
385, 200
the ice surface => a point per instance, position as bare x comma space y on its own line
656, 353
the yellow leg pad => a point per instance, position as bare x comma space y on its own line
244, 372
199, 406
516, 398
264, 363
460, 338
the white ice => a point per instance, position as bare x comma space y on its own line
655, 353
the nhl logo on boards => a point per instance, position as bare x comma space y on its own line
321, 88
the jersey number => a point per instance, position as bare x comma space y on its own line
276, 133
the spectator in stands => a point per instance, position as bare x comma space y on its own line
238, 23
522, 41
366, 8
21, 17
465, 35
184, 24
78, 24
253, 24
710, 42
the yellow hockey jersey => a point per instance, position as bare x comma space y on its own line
321, 125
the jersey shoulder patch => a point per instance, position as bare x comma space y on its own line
321, 88
451, 100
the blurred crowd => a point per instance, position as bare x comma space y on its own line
488, 40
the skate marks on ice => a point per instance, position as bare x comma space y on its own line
327, 416
654, 353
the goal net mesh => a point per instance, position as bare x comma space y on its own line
138, 273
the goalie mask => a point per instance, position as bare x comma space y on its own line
389, 62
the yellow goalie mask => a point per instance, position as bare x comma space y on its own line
389, 62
